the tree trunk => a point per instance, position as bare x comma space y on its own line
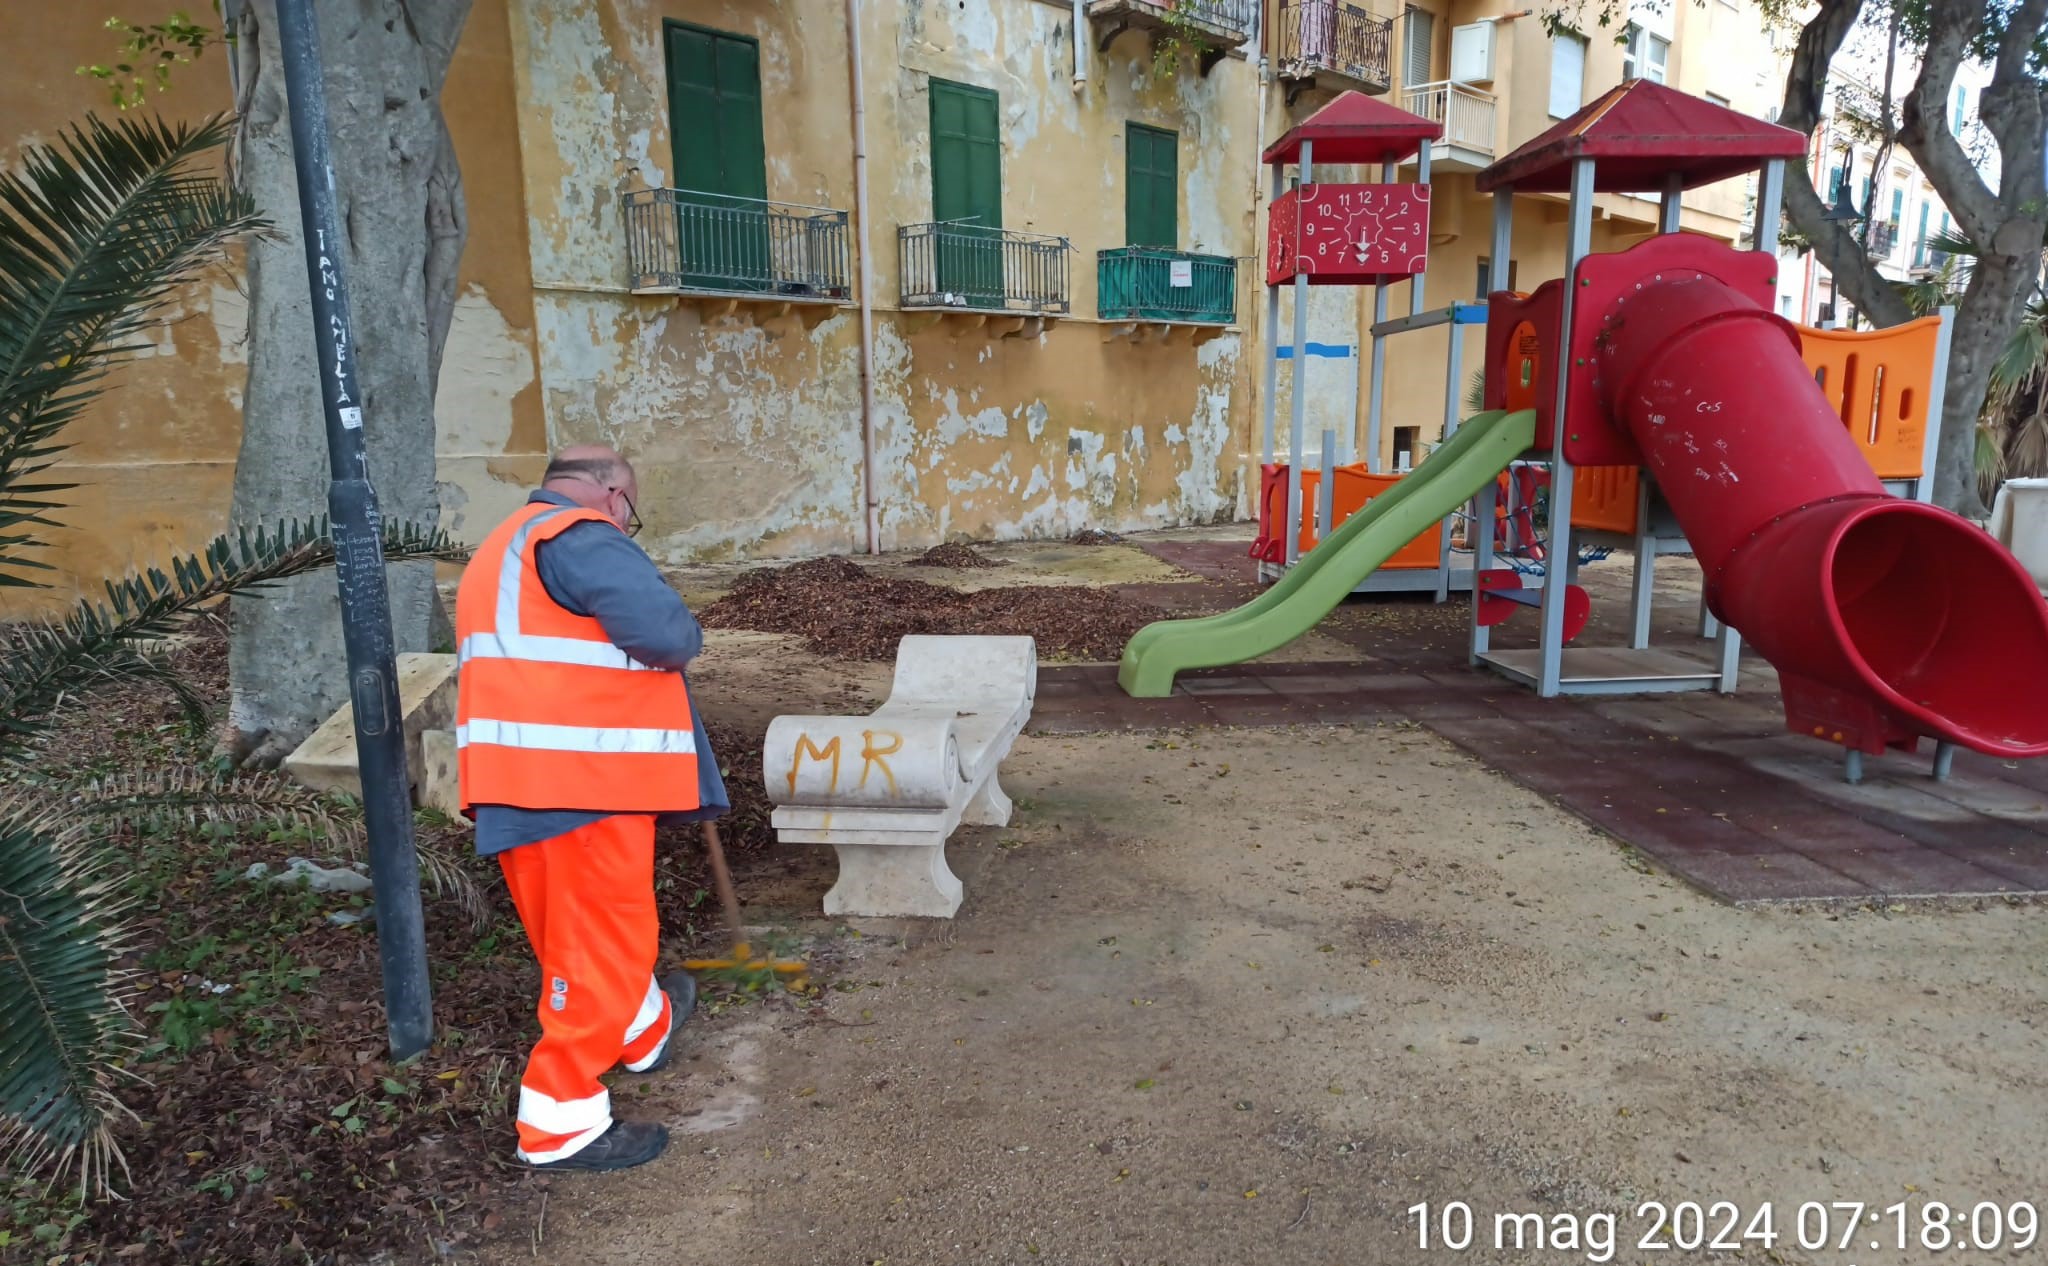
401, 202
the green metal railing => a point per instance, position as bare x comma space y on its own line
956, 264
714, 243
1149, 283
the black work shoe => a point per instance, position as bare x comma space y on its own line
624, 1145
681, 988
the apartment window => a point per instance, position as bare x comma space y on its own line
967, 187
1486, 277
1405, 438
1898, 207
1567, 75
1834, 182
1962, 104
1785, 305
1719, 100
1920, 247
1417, 31
1863, 203
1645, 55
1151, 187
721, 163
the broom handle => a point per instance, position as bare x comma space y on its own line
722, 879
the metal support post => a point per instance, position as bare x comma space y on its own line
1852, 767
358, 553
1669, 206
1421, 178
1299, 403
1937, 398
1770, 201
1326, 491
1644, 589
1944, 760
1482, 562
1271, 401
1558, 563
1453, 364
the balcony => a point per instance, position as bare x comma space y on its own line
1153, 286
683, 242
1881, 241
1332, 45
1467, 115
1214, 27
953, 266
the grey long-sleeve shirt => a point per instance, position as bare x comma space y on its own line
594, 569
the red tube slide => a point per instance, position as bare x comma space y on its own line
1886, 619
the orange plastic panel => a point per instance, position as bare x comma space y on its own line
1877, 382
1354, 486
1604, 498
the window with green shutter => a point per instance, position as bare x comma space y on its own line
1151, 187
967, 190
721, 163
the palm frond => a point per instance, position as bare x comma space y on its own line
96, 232
182, 797
1953, 244
119, 639
1988, 459
68, 1030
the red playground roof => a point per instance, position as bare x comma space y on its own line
1355, 129
1637, 134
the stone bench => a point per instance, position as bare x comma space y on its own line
886, 789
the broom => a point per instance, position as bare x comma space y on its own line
740, 964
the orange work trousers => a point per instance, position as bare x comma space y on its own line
587, 900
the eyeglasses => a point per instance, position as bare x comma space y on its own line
632, 511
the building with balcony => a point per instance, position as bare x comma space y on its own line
1013, 303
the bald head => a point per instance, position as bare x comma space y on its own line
596, 477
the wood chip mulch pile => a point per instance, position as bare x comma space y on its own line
848, 612
956, 555
1095, 536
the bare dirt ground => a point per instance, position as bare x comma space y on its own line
1249, 995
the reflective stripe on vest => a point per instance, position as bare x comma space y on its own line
575, 738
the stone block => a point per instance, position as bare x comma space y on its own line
326, 761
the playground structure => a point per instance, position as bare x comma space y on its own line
1348, 234
1701, 421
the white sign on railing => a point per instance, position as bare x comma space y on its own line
1180, 272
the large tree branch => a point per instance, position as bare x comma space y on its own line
1954, 26
1805, 93
2012, 110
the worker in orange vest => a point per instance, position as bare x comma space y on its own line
575, 733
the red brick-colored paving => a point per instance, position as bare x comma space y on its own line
1709, 786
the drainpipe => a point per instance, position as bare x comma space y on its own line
871, 503
1080, 44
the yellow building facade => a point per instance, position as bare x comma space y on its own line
1048, 318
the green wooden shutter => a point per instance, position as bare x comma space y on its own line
1151, 187
714, 96
967, 189
967, 155
721, 159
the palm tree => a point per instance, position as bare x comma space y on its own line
96, 233
2012, 429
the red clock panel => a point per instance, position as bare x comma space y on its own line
1348, 235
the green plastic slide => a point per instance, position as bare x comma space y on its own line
1319, 580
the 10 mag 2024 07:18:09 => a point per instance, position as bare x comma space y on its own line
1839, 1226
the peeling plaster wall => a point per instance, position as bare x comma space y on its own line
154, 456
745, 425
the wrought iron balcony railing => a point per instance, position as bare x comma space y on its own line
1147, 283
1883, 238
1466, 113
1328, 37
1216, 25
681, 241
955, 264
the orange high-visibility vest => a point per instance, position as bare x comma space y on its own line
549, 713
